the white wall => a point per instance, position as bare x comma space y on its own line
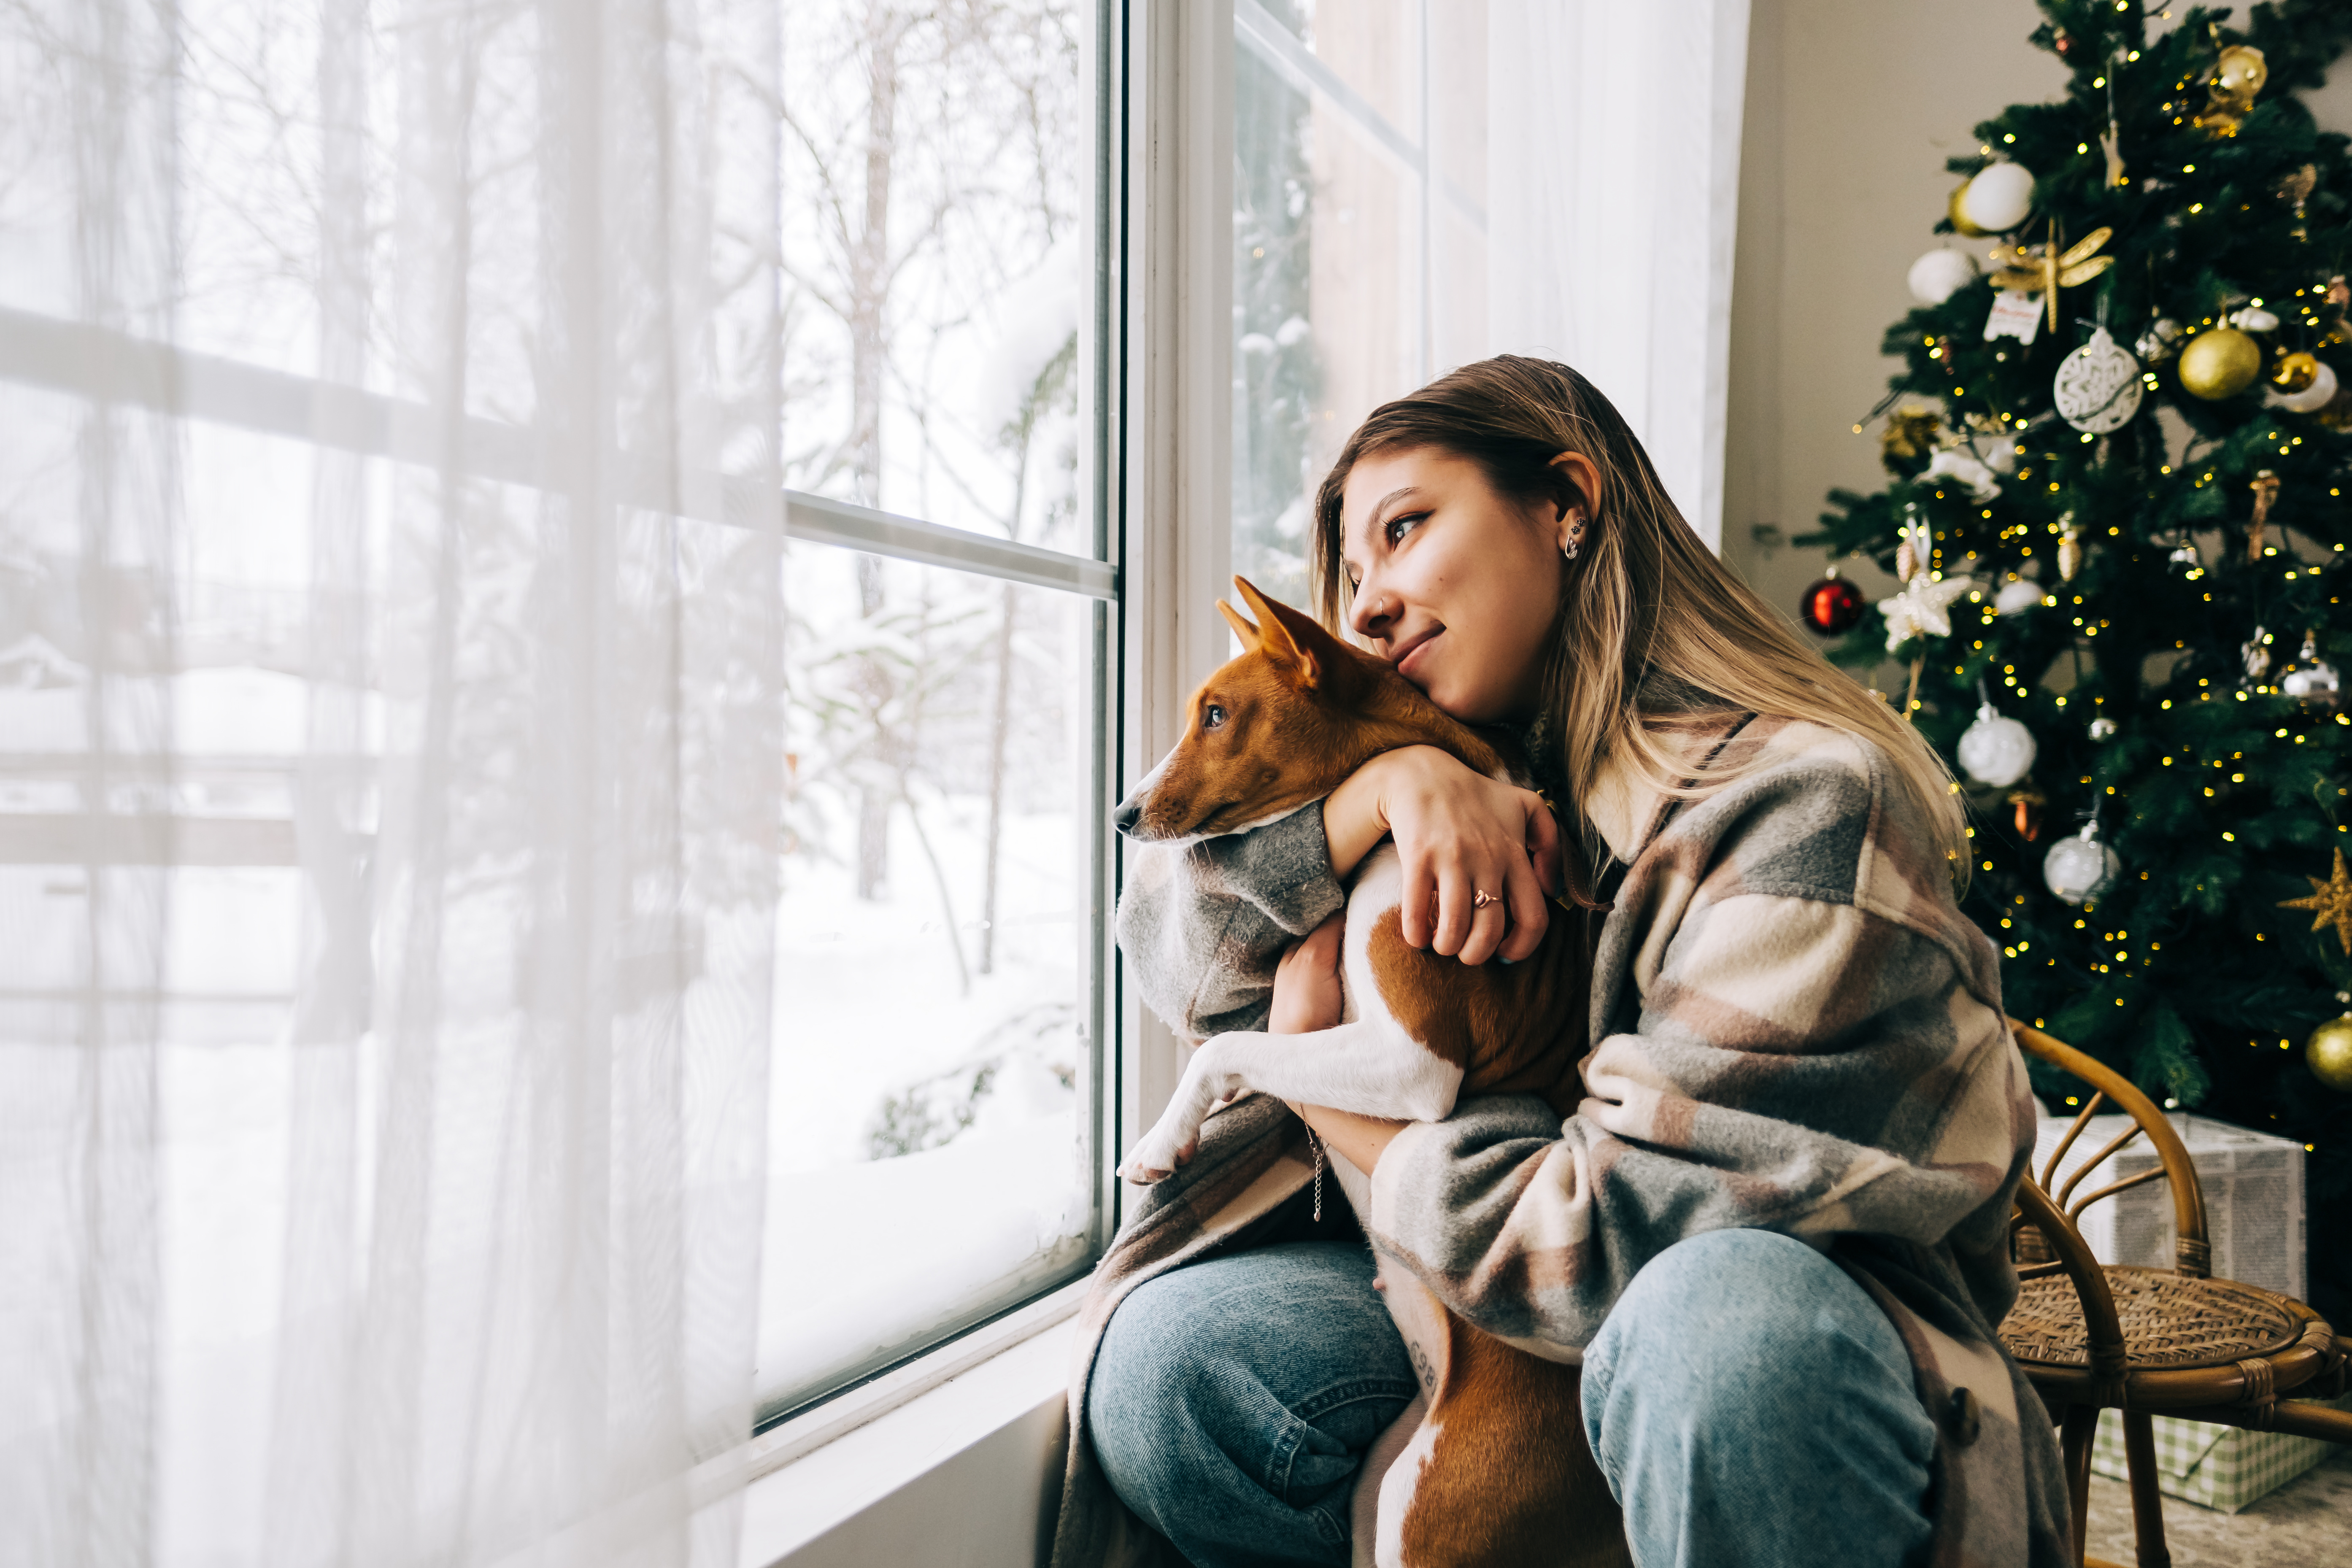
1851, 108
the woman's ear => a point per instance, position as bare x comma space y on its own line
1575, 481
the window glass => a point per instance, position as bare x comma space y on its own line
929, 1150
938, 243
1358, 239
931, 1125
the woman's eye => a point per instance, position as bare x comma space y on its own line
1212, 716
1399, 526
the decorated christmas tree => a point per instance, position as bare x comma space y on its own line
2119, 450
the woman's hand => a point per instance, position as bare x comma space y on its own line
1459, 834
1306, 995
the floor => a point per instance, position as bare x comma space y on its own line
2308, 1521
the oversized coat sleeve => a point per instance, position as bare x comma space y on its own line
1201, 925
1796, 1030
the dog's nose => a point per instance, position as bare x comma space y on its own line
1129, 813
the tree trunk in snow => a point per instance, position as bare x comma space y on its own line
1002, 719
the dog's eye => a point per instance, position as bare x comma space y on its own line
1212, 716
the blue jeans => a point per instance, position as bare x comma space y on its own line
1750, 1404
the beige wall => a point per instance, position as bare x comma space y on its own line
1851, 108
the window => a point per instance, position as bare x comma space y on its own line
937, 1002
1360, 239
867, 240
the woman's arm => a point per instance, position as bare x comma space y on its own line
1203, 924
1459, 834
1808, 1039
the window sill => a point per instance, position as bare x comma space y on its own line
962, 1446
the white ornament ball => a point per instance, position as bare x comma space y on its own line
1941, 274
1996, 750
2023, 594
2098, 388
2080, 868
2314, 681
2312, 398
2253, 319
1998, 199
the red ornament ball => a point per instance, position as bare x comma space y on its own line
1831, 605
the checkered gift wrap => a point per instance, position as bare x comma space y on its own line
2223, 1467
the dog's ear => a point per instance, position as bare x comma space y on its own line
1298, 646
1251, 636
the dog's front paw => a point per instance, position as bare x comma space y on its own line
1157, 1157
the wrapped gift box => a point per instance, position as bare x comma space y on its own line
2224, 1467
2254, 1198
2252, 1184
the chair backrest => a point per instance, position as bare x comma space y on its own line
2192, 1255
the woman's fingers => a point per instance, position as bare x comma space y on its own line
1490, 923
1453, 895
1530, 912
1543, 844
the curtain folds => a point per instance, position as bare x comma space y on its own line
1614, 188
389, 770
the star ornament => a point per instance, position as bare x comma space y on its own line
1923, 608
2330, 903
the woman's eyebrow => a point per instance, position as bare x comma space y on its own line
1372, 524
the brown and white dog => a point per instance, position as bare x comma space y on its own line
1490, 1467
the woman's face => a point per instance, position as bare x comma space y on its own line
1456, 584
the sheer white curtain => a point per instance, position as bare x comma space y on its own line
390, 750
1614, 188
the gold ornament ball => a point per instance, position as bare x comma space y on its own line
2329, 1052
1959, 218
2221, 363
2296, 372
2241, 70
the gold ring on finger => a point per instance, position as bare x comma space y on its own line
1480, 899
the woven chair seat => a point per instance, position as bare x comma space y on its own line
2169, 1323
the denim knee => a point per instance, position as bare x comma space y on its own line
1750, 1402
1230, 1401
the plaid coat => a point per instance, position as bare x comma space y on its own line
1795, 1029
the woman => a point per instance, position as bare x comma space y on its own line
1776, 1230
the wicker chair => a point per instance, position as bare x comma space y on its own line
2150, 1342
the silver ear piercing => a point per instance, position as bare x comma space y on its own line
1575, 536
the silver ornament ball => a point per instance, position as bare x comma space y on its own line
2098, 387
1996, 750
2080, 868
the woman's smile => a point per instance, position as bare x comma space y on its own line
1409, 653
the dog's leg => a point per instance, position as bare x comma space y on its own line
1369, 1066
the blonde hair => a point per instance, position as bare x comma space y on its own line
1643, 597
